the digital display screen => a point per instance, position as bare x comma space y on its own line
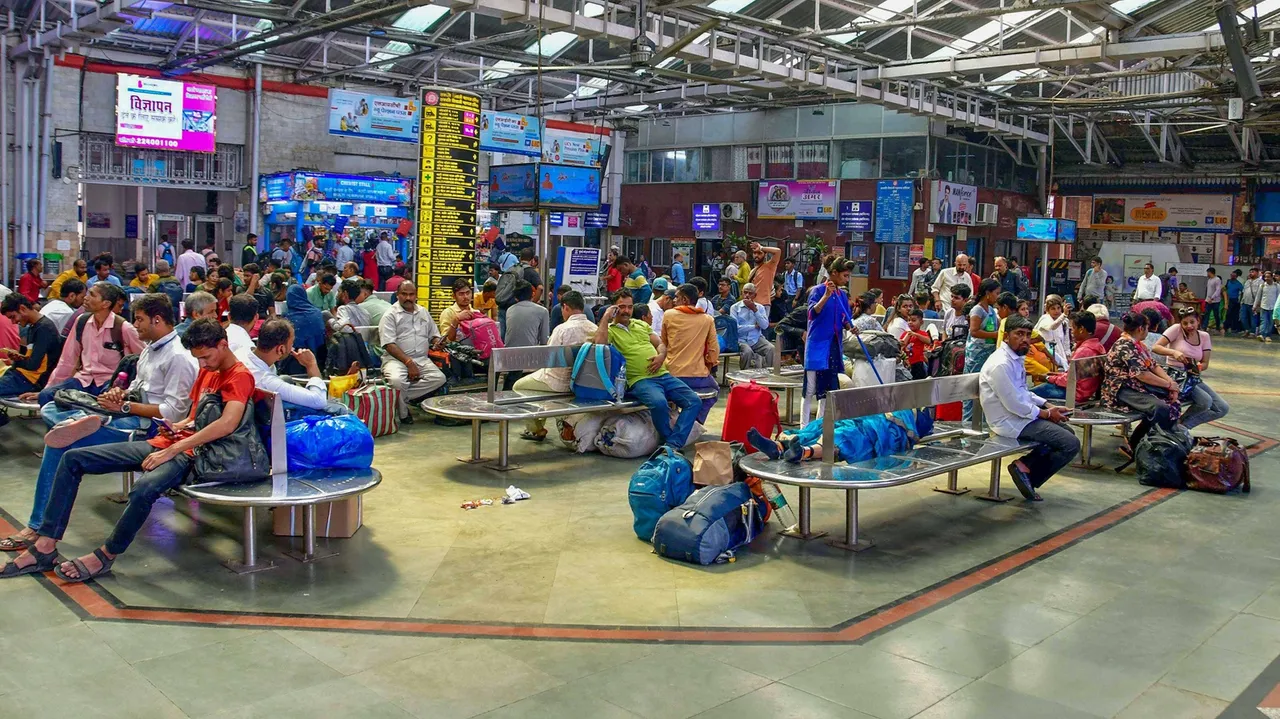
513, 187
566, 187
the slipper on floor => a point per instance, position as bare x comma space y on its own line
13, 544
1023, 483
83, 571
533, 436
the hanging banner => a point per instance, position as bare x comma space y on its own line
796, 200
564, 147
448, 177
1206, 213
511, 133
893, 211
165, 114
953, 203
855, 216
380, 117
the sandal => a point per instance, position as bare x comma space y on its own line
533, 436
44, 562
14, 544
85, 574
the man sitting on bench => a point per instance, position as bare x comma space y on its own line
1015, 413
164, 460
647, 380
32, 365
408, 333
99, 339
275, 344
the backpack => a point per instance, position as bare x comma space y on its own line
750, 405
599, 374
664, 481
505, 296
710, 524
1219, 465
1161, 457
166, 252
483, 333
727, 332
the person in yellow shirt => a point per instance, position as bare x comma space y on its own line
487, 302
744, 268
143, 279
79, 270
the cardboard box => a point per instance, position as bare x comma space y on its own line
333, 519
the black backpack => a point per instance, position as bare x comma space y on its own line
505, 296
1161, 457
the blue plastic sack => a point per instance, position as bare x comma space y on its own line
328, 442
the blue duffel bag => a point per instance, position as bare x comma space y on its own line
662, 482
710, 524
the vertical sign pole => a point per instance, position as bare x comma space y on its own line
448, 175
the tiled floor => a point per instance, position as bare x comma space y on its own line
1171, 613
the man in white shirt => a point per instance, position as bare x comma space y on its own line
407, 333
59, 311
921, 278
188, 259
752, 319
576, 329
384, 255
952, 276
1213, 300
1015, 413
275, 343
349, 315
1148, 285
243, 310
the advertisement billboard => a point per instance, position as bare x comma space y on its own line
1204, 213
380, 117
165, 114
706, 217
1046, 229
565, 187
564, 147
349, 188
513, 187
797, 199
953, 203
509, 132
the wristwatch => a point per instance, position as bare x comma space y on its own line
127, 408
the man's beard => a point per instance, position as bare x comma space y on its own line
1022, 352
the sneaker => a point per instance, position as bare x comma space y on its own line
68, 432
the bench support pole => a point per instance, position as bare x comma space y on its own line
802, 529
126, 486
851, 542
250, 563
1086, 449
953, 478
308, 553
993, 494
790, 421
503, 464
475, 445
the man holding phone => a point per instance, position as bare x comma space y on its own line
1016, 413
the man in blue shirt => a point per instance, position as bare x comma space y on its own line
1235, 288
752, 320
677, 270
792, 280
102, 268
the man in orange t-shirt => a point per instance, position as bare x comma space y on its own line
164, 461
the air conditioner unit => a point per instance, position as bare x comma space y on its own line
987, 213
735, 211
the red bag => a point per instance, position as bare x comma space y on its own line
483, 333
376, 406
950, 412
750, 405
1218, 465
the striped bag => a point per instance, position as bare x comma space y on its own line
375, 405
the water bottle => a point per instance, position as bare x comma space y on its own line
121, 381
781, 510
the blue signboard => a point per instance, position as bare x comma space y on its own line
275, 188
855, 216
351, 188
513, 186
508, 132
131, 226
555, 219
894, 211
706, 217
565, 187
597, 220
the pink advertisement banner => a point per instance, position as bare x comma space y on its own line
165, 114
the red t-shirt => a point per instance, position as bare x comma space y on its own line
613, 280
30, 285
234, 384
393, 283
917, 343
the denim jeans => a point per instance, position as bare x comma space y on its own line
46, 395
655, 393
103, 459
974, 357
13, 383
706, 382
121, 429
1057, 446
1206, 406
1211, 313
1048, 390
1248, 318
1264, 323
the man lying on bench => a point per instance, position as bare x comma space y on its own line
165, 461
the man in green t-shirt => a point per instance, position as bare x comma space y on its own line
647, 380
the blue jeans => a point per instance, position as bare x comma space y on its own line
1264, 323
1211, 313
707, 383
655, 393
117, 431
1048, 390
1206, 406
1248, 319
12, 384
974, 357
46, 395
103, 459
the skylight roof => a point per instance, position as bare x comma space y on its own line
552, 44
418, 19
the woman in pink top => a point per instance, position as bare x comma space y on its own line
1188, 346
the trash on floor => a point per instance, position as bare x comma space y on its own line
513, 494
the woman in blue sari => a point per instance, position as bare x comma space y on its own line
308, 327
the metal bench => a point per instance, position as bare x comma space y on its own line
510, 406
1091, 414
944, 452
283, 489
9, 405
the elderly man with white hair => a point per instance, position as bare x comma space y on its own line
952, 276
752, 319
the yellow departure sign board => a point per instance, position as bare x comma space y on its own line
448, 169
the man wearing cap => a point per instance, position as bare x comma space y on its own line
664, 298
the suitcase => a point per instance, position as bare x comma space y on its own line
750, 405
375, 405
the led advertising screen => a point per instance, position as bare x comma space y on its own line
1066, 230
513, 187
706, 217
565, 187
1046, 229
165, 114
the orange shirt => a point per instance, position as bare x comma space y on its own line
235, 384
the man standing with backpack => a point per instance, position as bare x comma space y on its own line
505, 296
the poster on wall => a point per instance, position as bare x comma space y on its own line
797, 199
380, 117
165, 114
98, 220
953, 203
893, 212
448, 169
509, 132
1205, 213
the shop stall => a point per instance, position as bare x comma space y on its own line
315, 205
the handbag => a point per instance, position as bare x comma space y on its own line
238, 457
376, 406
